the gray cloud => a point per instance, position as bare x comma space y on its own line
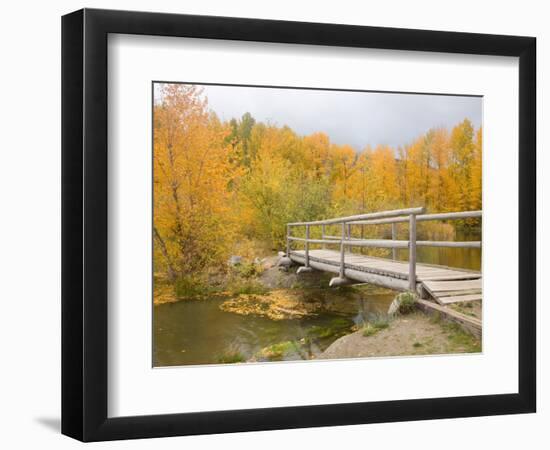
355, 118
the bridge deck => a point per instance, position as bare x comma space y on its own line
444, 284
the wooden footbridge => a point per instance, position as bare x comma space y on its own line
445, 285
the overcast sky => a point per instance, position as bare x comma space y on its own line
355, 118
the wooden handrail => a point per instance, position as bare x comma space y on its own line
377, 215
422, 218
356, 242
410, 215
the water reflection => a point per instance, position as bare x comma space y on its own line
199, 332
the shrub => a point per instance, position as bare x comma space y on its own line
248, 269
407, 302
189, 287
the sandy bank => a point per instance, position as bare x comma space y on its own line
414, 334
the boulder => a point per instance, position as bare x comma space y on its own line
235, 260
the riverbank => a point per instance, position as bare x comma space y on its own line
256, 312
412, 334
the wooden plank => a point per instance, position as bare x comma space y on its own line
435, 273
460, 298
464, 292
441, 281
440, 286
467, 276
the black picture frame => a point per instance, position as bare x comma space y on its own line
84, 224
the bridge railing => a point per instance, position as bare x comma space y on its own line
408, 215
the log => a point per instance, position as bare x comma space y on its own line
376, 215
356, 242
285, 262
412, 253
288, 240
316, 241
457, 244
423, 218
470, 324
360, 276
339, 281
307, 245
388, 243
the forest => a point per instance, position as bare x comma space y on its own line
223, 186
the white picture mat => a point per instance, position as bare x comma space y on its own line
135, 388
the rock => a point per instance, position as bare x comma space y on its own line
394, 307
281, 254
285, 262
397, 305
257, 260
235, 260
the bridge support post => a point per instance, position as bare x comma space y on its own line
412, 253
306, 267
307, 246
394, 237
288, 241
342, 249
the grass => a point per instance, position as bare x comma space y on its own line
435, 317
231, 357
466, 308
460, 339
278, 351
407, 303
376, 324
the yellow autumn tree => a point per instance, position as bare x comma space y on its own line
192, 175
344, 165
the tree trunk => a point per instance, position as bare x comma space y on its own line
164, 250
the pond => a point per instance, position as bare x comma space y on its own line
199, 332
193, 332
464, 258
